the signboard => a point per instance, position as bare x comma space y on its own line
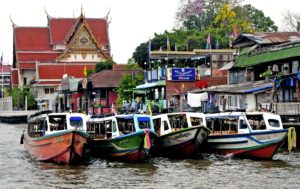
154, 75
183, 74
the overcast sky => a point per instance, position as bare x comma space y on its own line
133, 21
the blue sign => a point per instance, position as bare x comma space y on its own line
183, 74
154, 75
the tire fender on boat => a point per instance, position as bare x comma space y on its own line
22, 138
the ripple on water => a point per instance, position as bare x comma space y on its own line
18, 170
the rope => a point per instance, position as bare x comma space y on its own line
291, 139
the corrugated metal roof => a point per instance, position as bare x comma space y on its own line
252, 57
242, 88
272, 37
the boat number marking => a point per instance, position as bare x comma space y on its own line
59, 139
125, 141
267, 137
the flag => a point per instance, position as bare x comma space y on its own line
208, 46
217, 44
168, 44
147, 141
1, 62
230, 39
113, 109
84, 71
235, 32
149, 108
149, 46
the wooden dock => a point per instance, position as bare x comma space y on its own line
15, 117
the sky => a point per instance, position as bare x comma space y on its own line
132, 21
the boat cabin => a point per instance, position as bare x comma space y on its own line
43, 124
242, 122
101, 127
169, 122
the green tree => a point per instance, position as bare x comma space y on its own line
18, 96
104, 65
200, 14
89, 72
257, 18
127, 85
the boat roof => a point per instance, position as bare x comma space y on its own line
179, 113
111, 116
237, 113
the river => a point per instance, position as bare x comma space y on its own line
18, 170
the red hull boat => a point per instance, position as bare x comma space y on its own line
56, 137
65, 147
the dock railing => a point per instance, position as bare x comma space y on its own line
6, 104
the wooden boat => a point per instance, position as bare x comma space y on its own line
246, 134
179, 134
56, 137
125, 138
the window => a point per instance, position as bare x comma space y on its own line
24, 81
49, 90
102, 93
196, 121
295, 66
157, 124
57, 122
274, 123
233, 101
243, 124
76, 121
166, 126
256, 122
144, 122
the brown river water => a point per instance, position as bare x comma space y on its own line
19, 170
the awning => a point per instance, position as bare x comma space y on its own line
149, 85
227, 66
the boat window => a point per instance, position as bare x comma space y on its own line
76, 122
35, 128
157, 125
108, 127
243, 124
166, 126
96, 130
57, 122
144, 122
195, 121
178, 121
274, 123
114, 127
125, 125
256, 122
224, 125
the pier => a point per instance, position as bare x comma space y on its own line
15, 117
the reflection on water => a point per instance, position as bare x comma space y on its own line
18, 170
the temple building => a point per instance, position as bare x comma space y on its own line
42, 56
